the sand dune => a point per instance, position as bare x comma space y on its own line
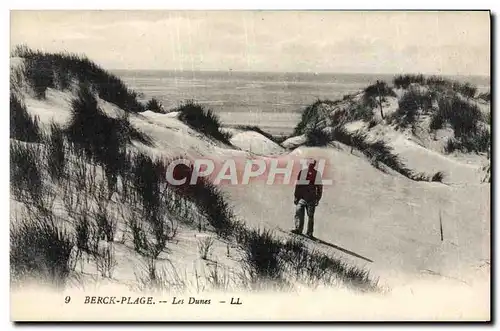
385, 223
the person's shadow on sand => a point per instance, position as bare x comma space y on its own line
339, 248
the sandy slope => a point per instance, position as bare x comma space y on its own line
458, 169
171, 139
386, 218
255, 143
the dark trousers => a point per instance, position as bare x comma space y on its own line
300, 209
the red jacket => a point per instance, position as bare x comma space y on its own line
313, 190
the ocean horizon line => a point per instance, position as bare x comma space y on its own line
310, 73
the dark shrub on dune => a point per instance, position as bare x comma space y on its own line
380, 88
155, 106
262, 256
91, 129
268, 260
486, 96
467, 90
146, 178
378, 152
479, 141
56, 152
202, 120
212, 204
317, 137
438, 177
309, 116
438, 82
58, 70
23, 126
376, 94
25, 171
463, 116
411, 104
404, 81
103, 138
150, 221
40, 249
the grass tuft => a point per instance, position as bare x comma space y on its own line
202, 120
25, 172
40, 249
155, 106
23, 126
317, 137
412, 104
60, 70
56, 153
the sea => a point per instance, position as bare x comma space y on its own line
272, 101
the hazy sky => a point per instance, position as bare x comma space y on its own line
311, 41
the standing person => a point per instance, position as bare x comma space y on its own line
308, 192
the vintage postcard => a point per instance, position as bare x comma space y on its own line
250, 165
